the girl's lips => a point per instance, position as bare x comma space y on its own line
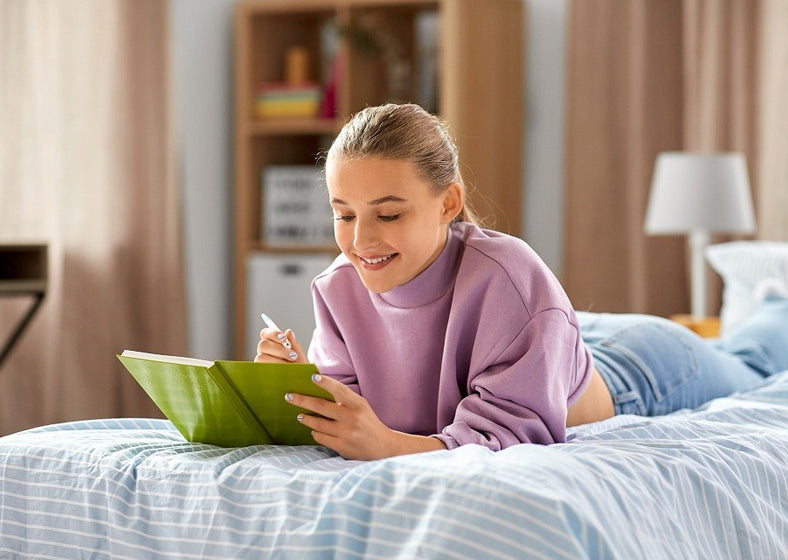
376, 263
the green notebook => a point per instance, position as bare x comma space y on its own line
227, 403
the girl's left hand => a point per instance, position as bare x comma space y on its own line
351, 428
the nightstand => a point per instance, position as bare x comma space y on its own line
23, 272
707, 327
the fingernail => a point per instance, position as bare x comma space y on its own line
281, 336
316, 378
288, 396
300, 417
292, 355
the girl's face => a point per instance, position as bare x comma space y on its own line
387, 220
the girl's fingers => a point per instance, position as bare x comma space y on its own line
296, 345
345, 399
267, 358
276, 346
341, 392
323, 407
319, 424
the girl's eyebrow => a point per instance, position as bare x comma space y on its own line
389, 198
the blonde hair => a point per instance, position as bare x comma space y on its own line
407, 133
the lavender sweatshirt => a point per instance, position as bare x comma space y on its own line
481, 347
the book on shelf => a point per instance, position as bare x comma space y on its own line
295, 209
227, 403
288, 100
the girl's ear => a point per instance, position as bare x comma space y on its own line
453, 200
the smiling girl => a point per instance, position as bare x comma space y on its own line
433, 333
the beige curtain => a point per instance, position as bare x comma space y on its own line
624, 105
772, 137
645, 77
86, 165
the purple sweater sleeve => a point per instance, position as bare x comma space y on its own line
520, 395
327, 347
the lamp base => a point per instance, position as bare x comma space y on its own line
698, 240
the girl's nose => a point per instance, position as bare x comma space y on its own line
365, 235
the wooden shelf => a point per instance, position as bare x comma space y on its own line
476, 70
393, 5
293, 249
283, 127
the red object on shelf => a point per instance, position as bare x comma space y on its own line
328, 107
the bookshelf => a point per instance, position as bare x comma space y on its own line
462, 59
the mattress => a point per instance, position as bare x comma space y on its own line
705, 483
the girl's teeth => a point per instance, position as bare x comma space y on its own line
378, 260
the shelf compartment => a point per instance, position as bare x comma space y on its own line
286, 150
266, 36
394, 72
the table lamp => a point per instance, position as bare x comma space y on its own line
697, 194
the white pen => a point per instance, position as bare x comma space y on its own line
271, 325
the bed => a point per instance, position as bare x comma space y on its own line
705, 483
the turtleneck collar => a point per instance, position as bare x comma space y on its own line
431, 283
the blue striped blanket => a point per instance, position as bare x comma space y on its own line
707, 483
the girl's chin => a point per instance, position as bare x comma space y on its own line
376, 285
377, 281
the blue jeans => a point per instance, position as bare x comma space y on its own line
653, 366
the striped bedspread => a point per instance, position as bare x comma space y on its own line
708, 483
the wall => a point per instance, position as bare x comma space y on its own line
544, 142
202, 101
201, 34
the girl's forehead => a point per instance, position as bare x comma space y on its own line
372, 170
372, 176
369, 164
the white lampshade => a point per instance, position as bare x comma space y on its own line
697, 194
700, 191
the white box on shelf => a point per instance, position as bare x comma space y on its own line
295, 208
279, 286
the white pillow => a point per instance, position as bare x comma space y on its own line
742, 265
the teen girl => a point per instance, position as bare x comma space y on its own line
433, 333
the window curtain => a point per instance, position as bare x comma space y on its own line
772, 136
645, 77
87, 166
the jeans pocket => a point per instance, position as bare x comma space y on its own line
660, 354
630, 403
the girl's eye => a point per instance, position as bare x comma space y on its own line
390, 218
339, 217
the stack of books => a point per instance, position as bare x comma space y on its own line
286, 100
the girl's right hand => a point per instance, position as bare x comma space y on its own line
271, 347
